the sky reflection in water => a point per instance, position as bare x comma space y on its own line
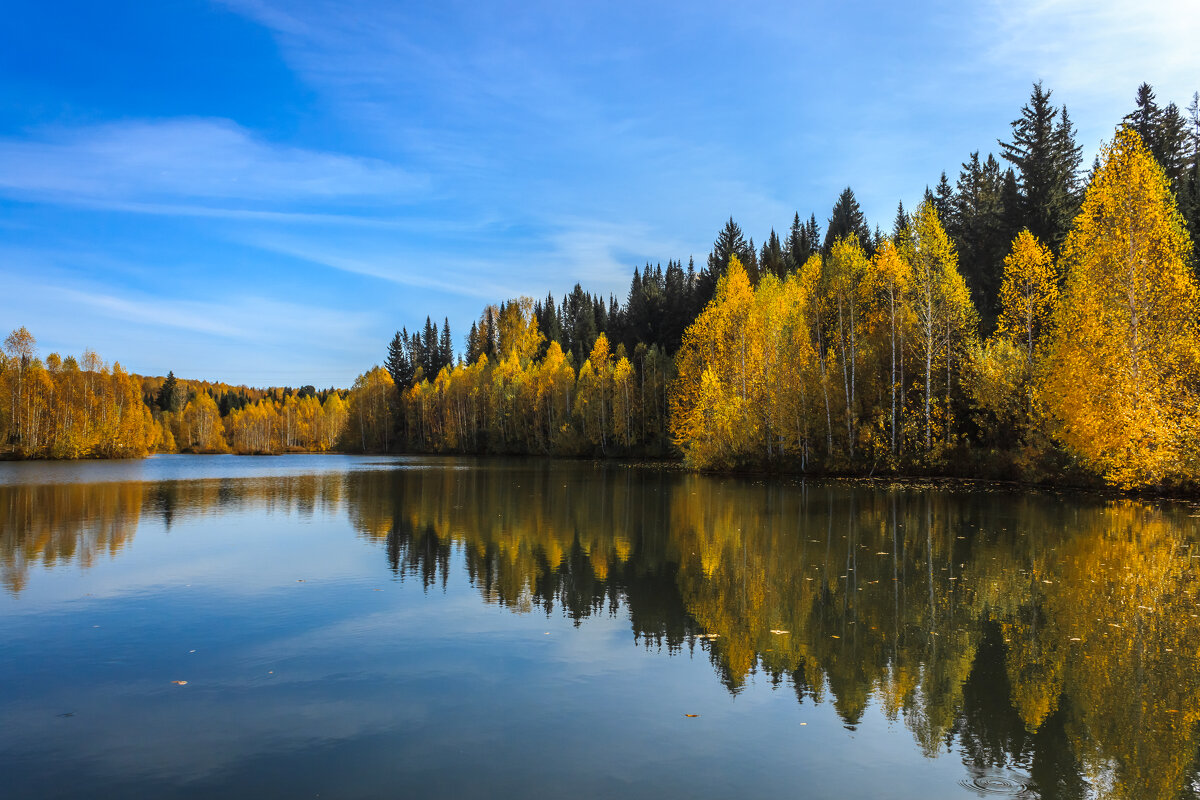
374, 627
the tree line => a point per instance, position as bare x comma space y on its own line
861, 362
68, 407
991, 331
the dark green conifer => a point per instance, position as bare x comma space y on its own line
847, 218
169, 394
1047, 159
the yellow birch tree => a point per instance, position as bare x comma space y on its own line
1120, 379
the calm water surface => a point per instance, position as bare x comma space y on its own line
391, 627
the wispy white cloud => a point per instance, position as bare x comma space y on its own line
1095, 53
602, 254
142, 165
244, 319
441, 272
1094, 46
237, 336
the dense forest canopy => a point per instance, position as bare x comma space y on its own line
1027, 319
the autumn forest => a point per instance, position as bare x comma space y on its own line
1035, 321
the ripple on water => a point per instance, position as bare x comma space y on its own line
998, 784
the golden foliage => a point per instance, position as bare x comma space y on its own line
1028, 294
1120, 379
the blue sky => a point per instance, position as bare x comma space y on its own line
262, 192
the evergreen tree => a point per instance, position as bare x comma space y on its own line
490, 334
1165, 133
579, 323
814, 234
900, 224
473, 350
1189, 190
638, 314
729, 242
600, 313
548, 321
771, 261
943, 201
416, 355
796, 249
445, 346
978, 229
169, 394
677, 306
847, 218
429, 349
397, 363
1043, 150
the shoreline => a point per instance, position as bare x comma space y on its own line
908, 480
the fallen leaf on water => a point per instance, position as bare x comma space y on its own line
179, 683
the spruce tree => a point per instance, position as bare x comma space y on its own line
473, 351
813, 231
847, 218
397, 362
168, 393
751, 264
549, 323
1189, 189
429, 349
977, 226
1044, 152
579, 323
943, 201
729, 242
600, 312
771, 261
796, 249
899, 224
1165, 133
677, 306
445, 346
490, 335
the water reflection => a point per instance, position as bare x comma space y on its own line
55, 524
1049, 642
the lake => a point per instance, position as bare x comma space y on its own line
346, 627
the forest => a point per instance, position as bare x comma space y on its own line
1032, 321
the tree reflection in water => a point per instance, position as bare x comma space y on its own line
1054, 635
